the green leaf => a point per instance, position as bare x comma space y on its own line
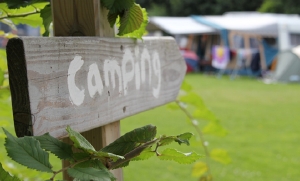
146, 154
39, 4
117, 6
109, 155
5, 176
112, 18
79, 141
1, 77
214, 128
28, 152
173, 106
81, 155
131, 20
87, 174
199, 168
220, 155
138, 33
204, 114
186, 87
97, 164
3, 62
130, 140
33, 19
5, 95
5, 107
21, 11
166, 140
193, 99
16, 4
133, 153
179, 157
184, 138
46, 15
55, 146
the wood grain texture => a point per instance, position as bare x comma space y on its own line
73, 18
87, 19
80, 18
48, 61
19, 88
110, 133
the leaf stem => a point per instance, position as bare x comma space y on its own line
70, 166
134, 153
188, 114
157, 145
20, 15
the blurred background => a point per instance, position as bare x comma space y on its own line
243, 59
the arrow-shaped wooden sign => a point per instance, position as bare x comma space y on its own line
87, 82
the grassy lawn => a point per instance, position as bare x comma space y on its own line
263, 141
264, 131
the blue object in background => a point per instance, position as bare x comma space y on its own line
223, 31
269, 52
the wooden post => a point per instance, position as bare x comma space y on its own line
88, 83
86, 18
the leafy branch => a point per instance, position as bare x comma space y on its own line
89, 164
196, 126
19, 15
194, 108
132, 154
129, 17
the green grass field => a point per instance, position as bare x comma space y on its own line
264, 132
263, 141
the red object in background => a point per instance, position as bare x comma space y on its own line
189, 69
191, 59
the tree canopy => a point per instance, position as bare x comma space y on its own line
197, 7
216, 7
281, 6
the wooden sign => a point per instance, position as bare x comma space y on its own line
87, 82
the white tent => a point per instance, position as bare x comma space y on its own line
284, 28
265, 26
288, 66
260, 24
180, 25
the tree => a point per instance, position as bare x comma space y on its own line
280, 6
197, 7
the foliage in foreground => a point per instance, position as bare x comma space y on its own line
129, 16
197, 112
131, 20
86, 163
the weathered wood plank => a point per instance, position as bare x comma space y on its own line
89, 82
19, 88
89, 19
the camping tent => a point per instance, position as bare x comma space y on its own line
258, 24
288, 66
180, 25
284, 28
